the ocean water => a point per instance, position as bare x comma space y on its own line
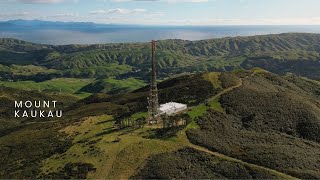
144, 33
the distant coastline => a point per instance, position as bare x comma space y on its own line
62, 33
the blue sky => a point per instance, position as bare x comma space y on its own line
167, 12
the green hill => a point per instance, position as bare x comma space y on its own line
113, 86
270, 121
249, 124
279, 53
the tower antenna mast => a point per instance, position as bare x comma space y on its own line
153, 107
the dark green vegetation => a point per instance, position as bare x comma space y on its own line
188, 163
270, 121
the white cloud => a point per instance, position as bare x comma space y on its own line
64, 15
118, 11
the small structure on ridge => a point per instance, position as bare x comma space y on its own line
171, 108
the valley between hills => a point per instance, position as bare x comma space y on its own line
253, 109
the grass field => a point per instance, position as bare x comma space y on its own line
59, 85
213, 77
76, 86
27, 70
197, 111
139, 115
215, 105
114, 153
114, 85
120, 154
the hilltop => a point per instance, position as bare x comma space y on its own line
250, 124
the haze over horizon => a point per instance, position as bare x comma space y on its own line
188, 19
166, 12
57, 33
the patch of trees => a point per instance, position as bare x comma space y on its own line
173, 121
131, 123
171, 125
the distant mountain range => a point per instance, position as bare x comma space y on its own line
79, 26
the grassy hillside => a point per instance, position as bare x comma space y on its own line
277, 53
250, 124
60, 85
86, 142
113, 86
27, 70
78, 86
189, 163
114, 153
268, 121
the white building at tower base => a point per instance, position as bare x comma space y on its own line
171, 108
